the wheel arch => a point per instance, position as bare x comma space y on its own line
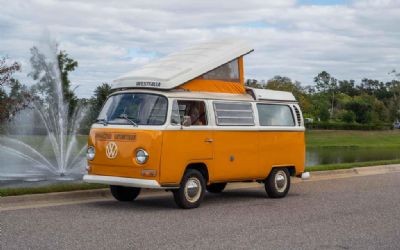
200, 166
291, 168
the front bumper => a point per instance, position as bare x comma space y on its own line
121, 181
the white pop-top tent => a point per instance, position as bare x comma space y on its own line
182, 67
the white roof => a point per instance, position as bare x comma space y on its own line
178, 68
273, 95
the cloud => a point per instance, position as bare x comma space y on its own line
350, 39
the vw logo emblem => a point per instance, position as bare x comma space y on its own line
111, 150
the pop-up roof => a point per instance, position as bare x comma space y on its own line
214, 67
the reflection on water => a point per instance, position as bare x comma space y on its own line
333, 155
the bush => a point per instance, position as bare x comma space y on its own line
349, 117
348, 126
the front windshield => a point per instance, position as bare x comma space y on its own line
139, 108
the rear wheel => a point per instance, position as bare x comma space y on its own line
121, 193
191, 190
277, 184
216, 187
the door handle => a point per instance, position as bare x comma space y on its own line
209, 140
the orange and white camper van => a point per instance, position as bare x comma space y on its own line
187, 124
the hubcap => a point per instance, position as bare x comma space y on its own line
192, 189
280, 181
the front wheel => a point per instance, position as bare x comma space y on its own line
191, 190
121, 193
277, 184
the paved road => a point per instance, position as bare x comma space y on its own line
350, 213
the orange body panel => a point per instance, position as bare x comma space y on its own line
231, 156
236, 155
281, 149
182, 147
125, 165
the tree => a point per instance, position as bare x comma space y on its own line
349, 116
47, 73
7, 71
96, 103
18, 97
376, 88
348, 88
66, 65
327, 84
368, 109
100, 96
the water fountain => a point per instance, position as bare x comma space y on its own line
56, 155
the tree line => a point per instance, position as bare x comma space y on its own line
328, 99
331, 100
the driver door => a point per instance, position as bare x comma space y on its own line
188, 138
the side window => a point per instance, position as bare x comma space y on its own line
275, 115
233, 114
189, 113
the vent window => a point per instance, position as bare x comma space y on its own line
298, 115
233, 114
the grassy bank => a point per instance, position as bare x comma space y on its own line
349, 138
50, 189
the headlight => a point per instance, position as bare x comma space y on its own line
141, 156
90, 153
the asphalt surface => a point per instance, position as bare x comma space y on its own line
349, 213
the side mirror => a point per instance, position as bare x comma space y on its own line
187, 121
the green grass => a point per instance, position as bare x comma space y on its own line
352, 138
351, 165
50, 189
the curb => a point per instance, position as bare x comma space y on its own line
104, 194
56, 196
381, 169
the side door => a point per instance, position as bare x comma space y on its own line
235, 141
187, 139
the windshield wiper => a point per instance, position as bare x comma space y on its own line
103, 121
125, 116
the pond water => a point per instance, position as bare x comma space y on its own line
334, 155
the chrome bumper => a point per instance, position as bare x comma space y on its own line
305, 175
121, 181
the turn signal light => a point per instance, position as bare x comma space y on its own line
149, 173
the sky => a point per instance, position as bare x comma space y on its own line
351, 39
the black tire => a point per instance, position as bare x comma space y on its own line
275, 186
216, 187
190, 197
121, 193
